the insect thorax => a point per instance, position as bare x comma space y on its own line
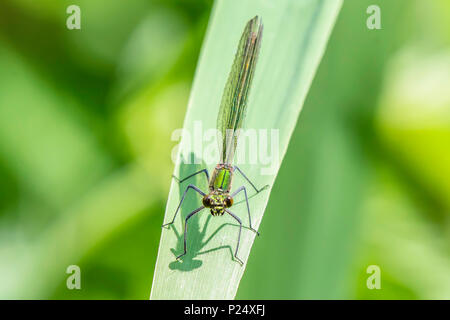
221, 178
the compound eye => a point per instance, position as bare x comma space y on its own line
228, 201
207, 201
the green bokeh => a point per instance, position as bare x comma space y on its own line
86, 118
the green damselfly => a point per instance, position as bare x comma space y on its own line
229, 121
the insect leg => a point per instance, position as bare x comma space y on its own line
239, 235
185, 228
248, 207
251, 183
191, 186
190, 176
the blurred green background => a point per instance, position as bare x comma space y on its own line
86, 118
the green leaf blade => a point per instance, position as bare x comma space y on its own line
295, 37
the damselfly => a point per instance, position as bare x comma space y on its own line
229, 121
